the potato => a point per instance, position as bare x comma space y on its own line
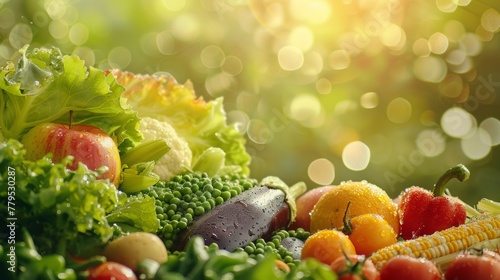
131, 249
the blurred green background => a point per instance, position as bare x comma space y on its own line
389, 91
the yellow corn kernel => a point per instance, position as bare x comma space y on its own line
442, 243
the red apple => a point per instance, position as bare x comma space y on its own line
87, 144
305, 203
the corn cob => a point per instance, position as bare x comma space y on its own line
443, 243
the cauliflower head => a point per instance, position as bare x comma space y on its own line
178, 158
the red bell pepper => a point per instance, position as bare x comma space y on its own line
422, 212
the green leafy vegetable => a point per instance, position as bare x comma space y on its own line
202, 124
65, 210
54, 203
138, 177
45, 85
200, 261
138, 212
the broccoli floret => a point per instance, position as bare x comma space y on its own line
189, 195
285, 244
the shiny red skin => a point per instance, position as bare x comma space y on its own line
305, 203
87, 144
469, 266
421, 213
111, 270
409, 268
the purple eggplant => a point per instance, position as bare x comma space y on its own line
255, 213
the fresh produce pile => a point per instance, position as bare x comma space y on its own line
112, 174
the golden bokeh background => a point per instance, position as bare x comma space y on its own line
389, 91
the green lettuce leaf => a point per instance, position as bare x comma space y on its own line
66, 210
55, 204
202, 124
137, 212
45, 85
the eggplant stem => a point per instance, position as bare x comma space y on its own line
291, 193
459, 172
297, 190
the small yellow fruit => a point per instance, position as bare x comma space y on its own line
365, 198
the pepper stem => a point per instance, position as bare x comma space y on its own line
460, 172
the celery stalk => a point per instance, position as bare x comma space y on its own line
151, 150
489, 206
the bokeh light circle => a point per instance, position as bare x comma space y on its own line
258, 132
472, 44
477, 145
20, 35
301, 37
186, 27
431, 142
393, 36
240, 119
323, 86
421, 47
438, 43
321, 171
165, 42
232, 65
339, 59
290, 58
491, 126
454, 30
356, 155
119, 57
217, 83
310, 11
452, 86
456, 57
446, 6
7, 18
399, 110
430, 69
490, 20
174, 6
458, 123
307, 110
212, 56
78, 34
369, 100
58, 29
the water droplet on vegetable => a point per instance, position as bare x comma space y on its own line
214, 236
